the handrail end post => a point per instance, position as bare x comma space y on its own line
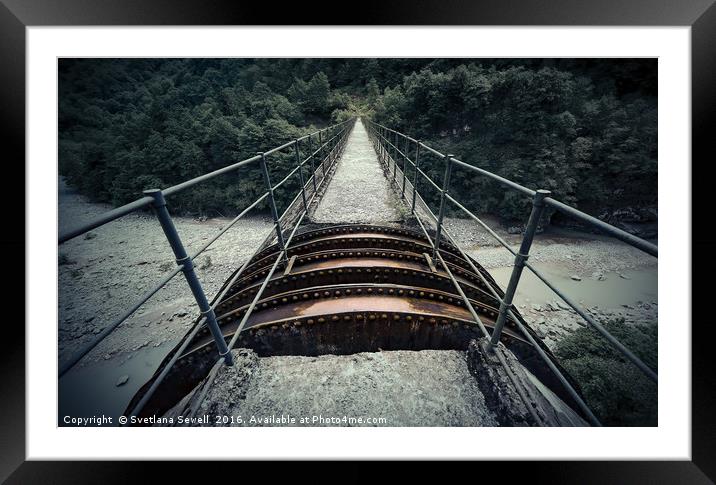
175, 242
521, 257
157, 195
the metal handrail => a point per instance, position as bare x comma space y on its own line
335, 154
156, 199
541, 199
611, 230
572, 392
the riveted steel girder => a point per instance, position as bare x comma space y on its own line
348, 289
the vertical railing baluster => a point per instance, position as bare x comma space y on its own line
386, 150
405, 165
159, 205
300, 175
443, 193
334, 149
520, 259
384, 147
379, 136
313, 168
395, 155
272, 203
320, 154
379, 141
415, 177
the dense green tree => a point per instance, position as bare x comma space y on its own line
614, 388
544, 128
316, 96
584, 128
372, 91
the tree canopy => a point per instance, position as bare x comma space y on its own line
584, 139
583, 128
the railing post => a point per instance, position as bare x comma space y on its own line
272, 203
310, 157
443, 192
388, 150
334, 152
405, 164
300, 175
395, 155
337, 145
415, 178
384, 142
320, 153
165, 220
520, 259
332, 143
378, 133
376, 138
381, 132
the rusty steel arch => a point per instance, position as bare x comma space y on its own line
347, 289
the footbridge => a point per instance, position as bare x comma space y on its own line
360, 262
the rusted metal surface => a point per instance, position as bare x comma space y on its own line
309, 306
348, 289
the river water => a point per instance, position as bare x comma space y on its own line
92, 390
640, 285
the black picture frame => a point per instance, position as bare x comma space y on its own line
16, 15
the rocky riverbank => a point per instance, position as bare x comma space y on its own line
609, 279
104, 272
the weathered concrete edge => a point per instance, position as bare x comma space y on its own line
501, 390
498, 388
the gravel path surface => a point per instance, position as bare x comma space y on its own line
358, 192
104, 272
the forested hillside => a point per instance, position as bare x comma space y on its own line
584, 128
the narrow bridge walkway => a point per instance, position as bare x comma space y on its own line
358, 191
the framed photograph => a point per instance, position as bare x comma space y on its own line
424, 234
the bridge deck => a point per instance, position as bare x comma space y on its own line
358, 191
387, 385
360, 324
